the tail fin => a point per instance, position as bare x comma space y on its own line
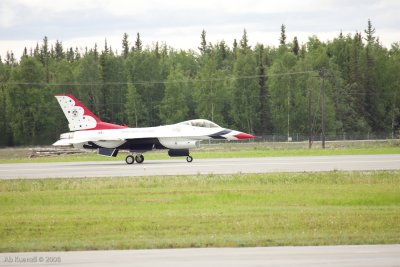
80, 117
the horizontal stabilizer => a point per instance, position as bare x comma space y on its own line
68, 142
63, 142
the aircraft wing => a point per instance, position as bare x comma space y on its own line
69, 142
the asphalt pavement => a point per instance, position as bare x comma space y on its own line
199, 166
343, 256
360, 255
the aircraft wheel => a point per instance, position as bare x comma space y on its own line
129, 159
139, 158
189, 158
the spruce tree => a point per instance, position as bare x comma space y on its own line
44, 51
370, 31
125, 46
203, 43
282, 39
265, 119
36, 52
371, 96
70, 55
244, 42
138, 43
234, 48
106, 50
296, 47
95, 52
25, 53
245, 92
157, 51
59, 53
77, 54
45, 58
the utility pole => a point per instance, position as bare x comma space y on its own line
322, 74
309, 119
288, 116
393, 113
212, 101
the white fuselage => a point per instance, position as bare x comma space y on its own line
171, 136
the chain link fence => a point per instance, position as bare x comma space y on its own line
301, 137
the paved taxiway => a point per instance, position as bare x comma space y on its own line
364, 255
199, 166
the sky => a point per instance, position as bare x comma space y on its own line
178, 23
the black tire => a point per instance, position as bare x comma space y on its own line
129, 159
189, 159
139, 158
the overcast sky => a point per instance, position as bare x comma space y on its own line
178, 23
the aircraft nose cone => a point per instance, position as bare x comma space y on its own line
244, 136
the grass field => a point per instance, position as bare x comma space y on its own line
228, 150
200, 211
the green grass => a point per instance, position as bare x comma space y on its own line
200, 211
228, 150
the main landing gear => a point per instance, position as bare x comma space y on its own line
139, 158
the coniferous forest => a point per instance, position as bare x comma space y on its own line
353, 79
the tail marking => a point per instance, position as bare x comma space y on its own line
80, 117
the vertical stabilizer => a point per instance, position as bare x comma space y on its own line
80, 117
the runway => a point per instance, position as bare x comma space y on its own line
199, 166
362, 255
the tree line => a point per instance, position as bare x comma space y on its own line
260, 89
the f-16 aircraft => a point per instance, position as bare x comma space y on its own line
89, 132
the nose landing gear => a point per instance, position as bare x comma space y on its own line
189, 159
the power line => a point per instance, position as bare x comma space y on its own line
164, 81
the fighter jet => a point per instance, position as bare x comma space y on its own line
89, 132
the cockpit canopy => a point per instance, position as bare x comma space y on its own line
201, 123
